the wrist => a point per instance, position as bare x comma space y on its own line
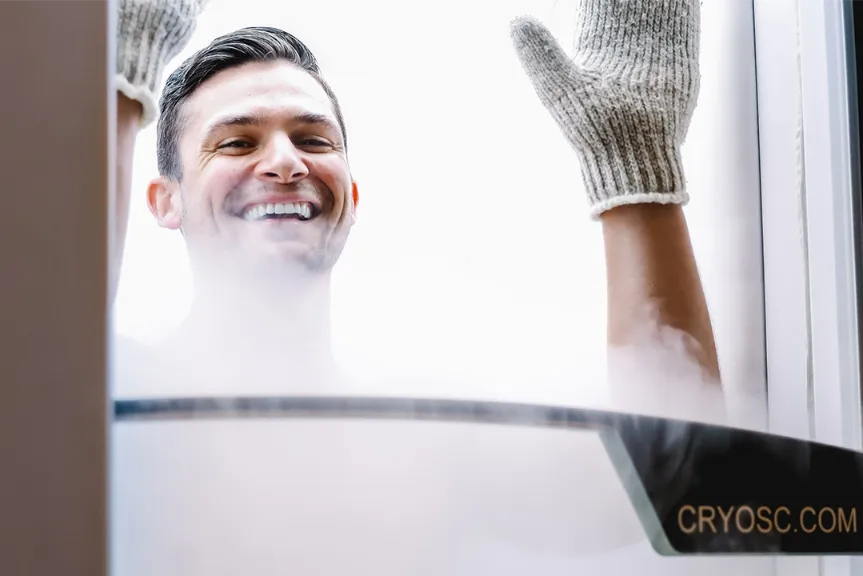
136, 101
128, 110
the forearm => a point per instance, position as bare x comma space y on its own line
653, 282
627, 131
129, 113
662, 359
149, 35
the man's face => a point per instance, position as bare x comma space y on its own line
265, 174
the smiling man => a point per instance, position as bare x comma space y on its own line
252, 155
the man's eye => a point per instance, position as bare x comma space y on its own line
235, 144
314, 142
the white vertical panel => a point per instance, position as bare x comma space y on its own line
836, 374
829, 219
785, 270
54, 151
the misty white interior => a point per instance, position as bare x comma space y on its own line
473, 270
549, 349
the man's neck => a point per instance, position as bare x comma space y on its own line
282, 323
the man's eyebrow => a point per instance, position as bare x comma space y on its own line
236, 120
258, 119
314, 118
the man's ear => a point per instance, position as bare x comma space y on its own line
355, 193
165, 203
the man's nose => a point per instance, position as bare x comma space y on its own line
281, 162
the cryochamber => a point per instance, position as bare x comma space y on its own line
503, 455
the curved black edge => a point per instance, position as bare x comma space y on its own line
697, 488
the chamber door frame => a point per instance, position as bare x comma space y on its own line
809, 139
57, 112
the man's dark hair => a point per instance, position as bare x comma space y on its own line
253, 44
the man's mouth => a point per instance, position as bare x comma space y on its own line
301, 211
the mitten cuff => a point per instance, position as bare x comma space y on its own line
617, 175
150, 34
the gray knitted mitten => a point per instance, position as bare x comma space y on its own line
149, 34
625, 99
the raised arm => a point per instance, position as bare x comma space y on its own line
624, 101
149, 34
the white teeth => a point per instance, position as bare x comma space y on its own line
303, 209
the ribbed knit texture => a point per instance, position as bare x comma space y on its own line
149, 34
625, 98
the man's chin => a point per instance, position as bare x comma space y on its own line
272, 258
288, 257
